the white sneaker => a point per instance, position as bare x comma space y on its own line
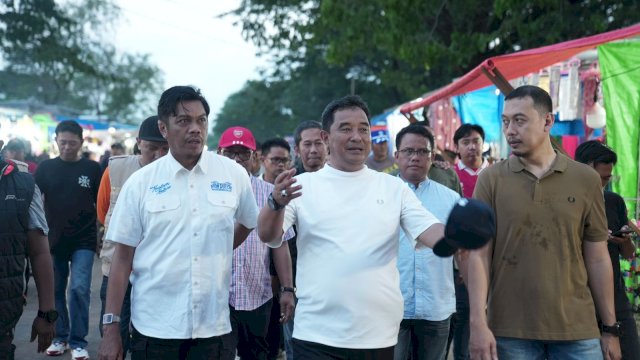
57, 348
79, 354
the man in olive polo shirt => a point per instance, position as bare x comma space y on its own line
534, 286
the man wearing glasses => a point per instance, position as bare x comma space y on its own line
275, 158
426, 280
251, 295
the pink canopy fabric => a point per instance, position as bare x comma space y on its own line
520, 64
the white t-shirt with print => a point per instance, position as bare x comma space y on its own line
348, 227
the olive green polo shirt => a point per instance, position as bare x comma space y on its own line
538, 281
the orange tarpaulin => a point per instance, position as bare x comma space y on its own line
520, 64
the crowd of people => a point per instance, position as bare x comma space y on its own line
394, 255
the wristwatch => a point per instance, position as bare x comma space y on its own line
273, 205
110, 319
614, 329
288, 289
51, 316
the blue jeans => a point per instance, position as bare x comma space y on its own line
422, 340
287, 331
516, 349
125, 313
77, 312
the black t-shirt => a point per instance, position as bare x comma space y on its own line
616, 219
70, 191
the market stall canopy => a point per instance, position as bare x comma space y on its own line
520, 64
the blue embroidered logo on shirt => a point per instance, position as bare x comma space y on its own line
218, 186
160, 188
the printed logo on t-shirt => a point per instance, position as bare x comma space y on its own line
84, 181
160, 188
218, 186
12, 197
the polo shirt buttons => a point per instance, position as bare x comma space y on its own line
191, 186
195, 234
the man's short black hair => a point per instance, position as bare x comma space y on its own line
15, 145
305, 125
274, 142
347, 102
541, 99
117, 146
173, 96
466, 130
595, 152
415, 129
69, 126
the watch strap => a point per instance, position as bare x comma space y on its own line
273, 204
288, 289
110, 319
614, 329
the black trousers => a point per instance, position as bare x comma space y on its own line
7, 349
148, 348
249, 332
313, 351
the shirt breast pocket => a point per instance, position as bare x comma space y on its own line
221, 208
164, 210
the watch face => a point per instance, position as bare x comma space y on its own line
52, 316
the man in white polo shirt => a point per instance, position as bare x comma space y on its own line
176, 223
348, 222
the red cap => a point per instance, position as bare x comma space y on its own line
237, 135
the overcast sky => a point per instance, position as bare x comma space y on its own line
189, 44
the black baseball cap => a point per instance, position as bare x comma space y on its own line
471, 225
150, 131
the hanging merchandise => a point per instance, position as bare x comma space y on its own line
569, 94
590, 84
596, 117
554, 86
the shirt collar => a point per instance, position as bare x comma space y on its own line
559, 164
462, 166
421, 185
201, 165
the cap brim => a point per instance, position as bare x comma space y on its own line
444, 249
155, 139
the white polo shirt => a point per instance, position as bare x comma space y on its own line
347, 281
181, 223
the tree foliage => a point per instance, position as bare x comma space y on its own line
274, 107
413, 46
56, 53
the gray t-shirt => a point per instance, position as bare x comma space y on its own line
37, 220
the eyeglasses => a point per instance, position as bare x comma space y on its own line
409, 152
279, 160
242, 155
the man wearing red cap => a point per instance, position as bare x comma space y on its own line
251, 297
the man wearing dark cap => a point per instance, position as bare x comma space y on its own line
251, 296
152, 147
380, 160
535, 289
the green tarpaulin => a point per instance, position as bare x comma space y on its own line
620, 74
